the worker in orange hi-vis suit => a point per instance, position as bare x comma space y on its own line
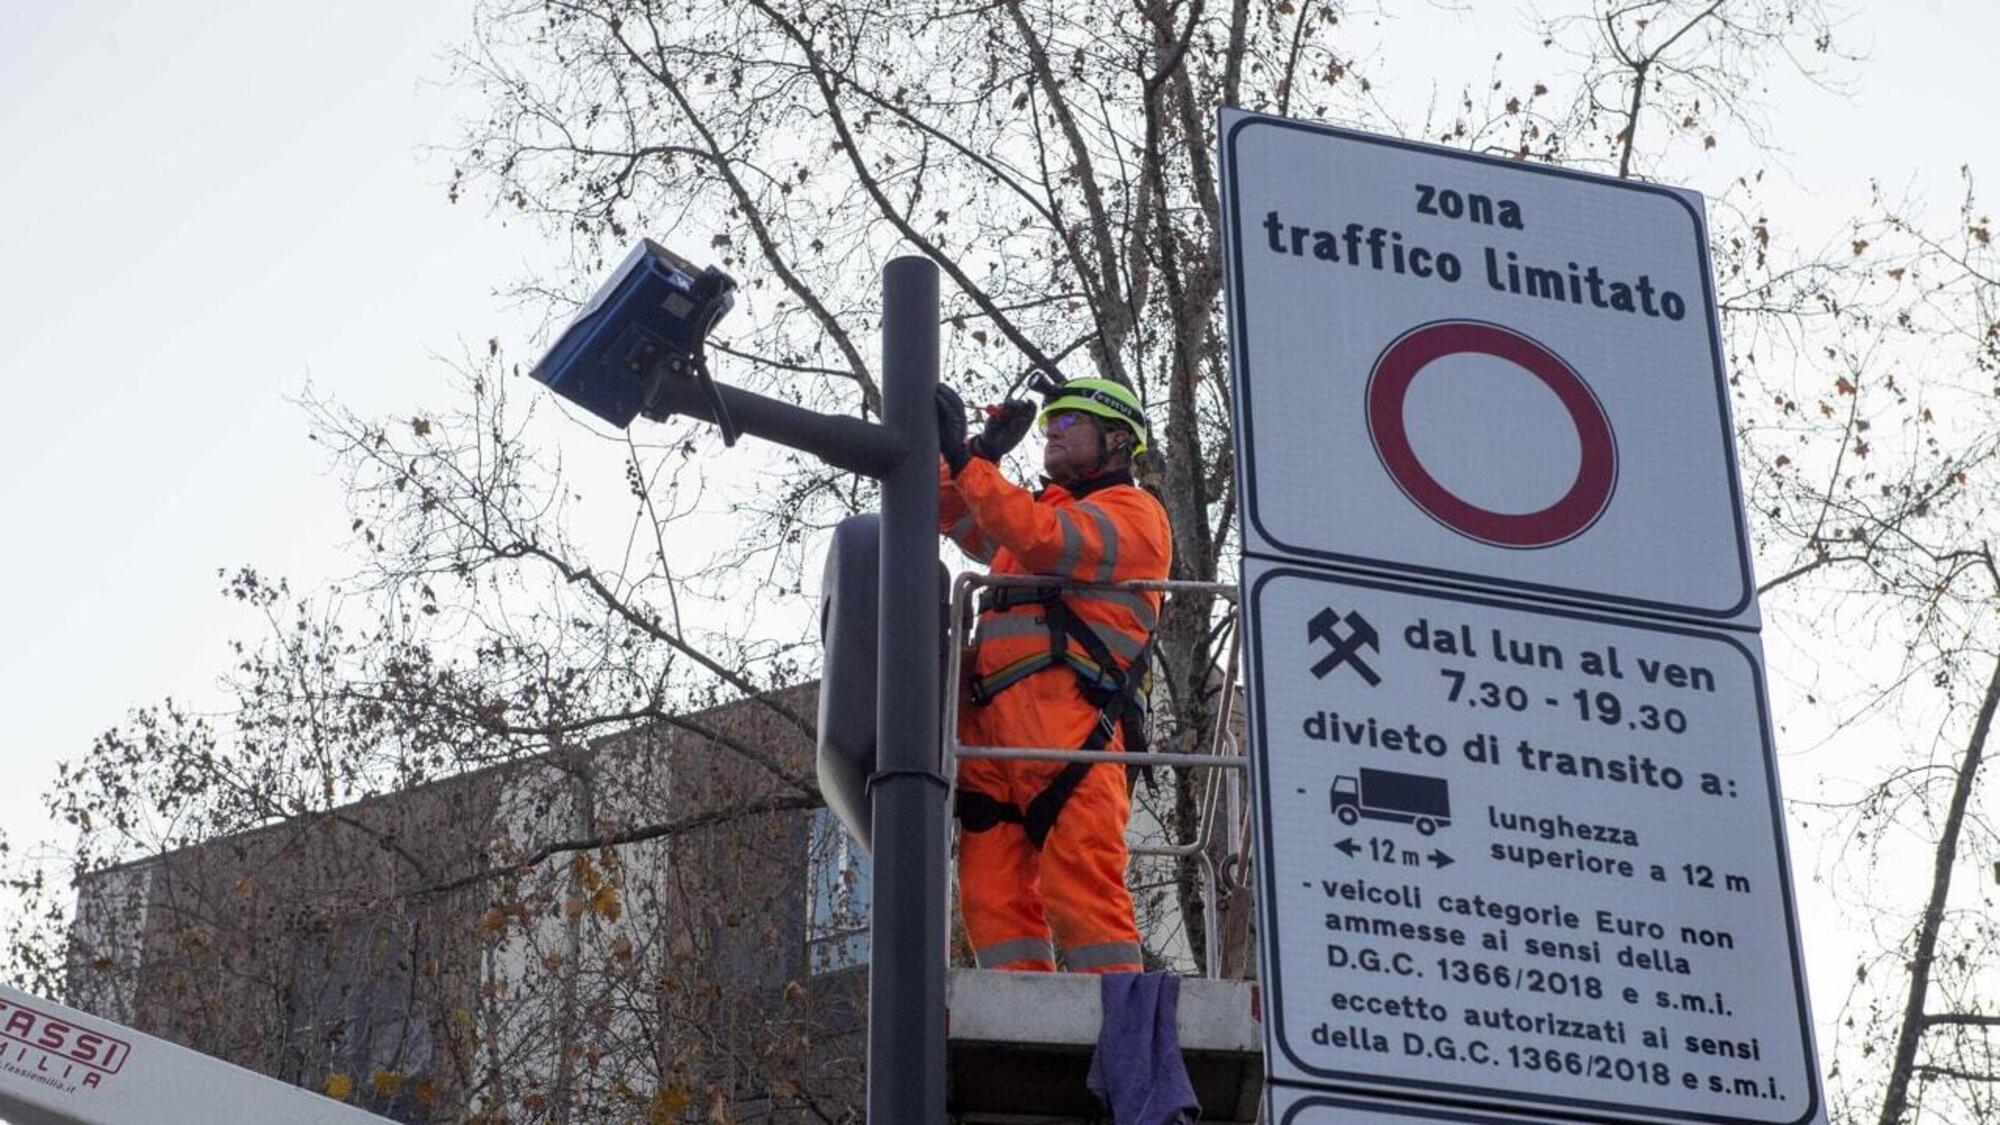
1042, 844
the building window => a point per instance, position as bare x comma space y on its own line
354, 1013
839, 891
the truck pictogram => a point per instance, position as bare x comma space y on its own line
1406, 798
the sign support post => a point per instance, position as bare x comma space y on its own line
906, 999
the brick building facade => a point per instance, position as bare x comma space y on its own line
448, 953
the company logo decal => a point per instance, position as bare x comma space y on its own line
56, 1052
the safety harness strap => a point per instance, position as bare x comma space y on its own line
1116, 691
1098, 672
979, 812
1097, 669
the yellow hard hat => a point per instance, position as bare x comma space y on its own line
1103, 398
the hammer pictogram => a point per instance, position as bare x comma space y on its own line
1346, 650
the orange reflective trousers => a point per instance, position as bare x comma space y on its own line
1022, 904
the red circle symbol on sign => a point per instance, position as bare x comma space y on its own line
1597, 470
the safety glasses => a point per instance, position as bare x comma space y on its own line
1062, 420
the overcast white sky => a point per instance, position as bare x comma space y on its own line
204, 204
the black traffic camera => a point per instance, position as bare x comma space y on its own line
644, 329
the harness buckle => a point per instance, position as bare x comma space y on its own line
978, 812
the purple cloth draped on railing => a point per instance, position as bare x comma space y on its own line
1137, 1071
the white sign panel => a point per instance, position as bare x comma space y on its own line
1522, 858
1479, 371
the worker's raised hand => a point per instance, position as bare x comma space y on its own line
951, 429
1006, 425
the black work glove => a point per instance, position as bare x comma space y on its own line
1006, 425
951, 429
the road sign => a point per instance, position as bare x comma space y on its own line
1479, 371
1533, 861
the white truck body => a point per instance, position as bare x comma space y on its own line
59, 1066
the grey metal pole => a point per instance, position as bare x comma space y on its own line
843, 442
906, 1001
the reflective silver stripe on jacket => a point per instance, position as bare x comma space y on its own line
1107, 531
1137, 603
1019, 949
1072, 548
965, 532
1121, 645
992, 627
1083, 957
